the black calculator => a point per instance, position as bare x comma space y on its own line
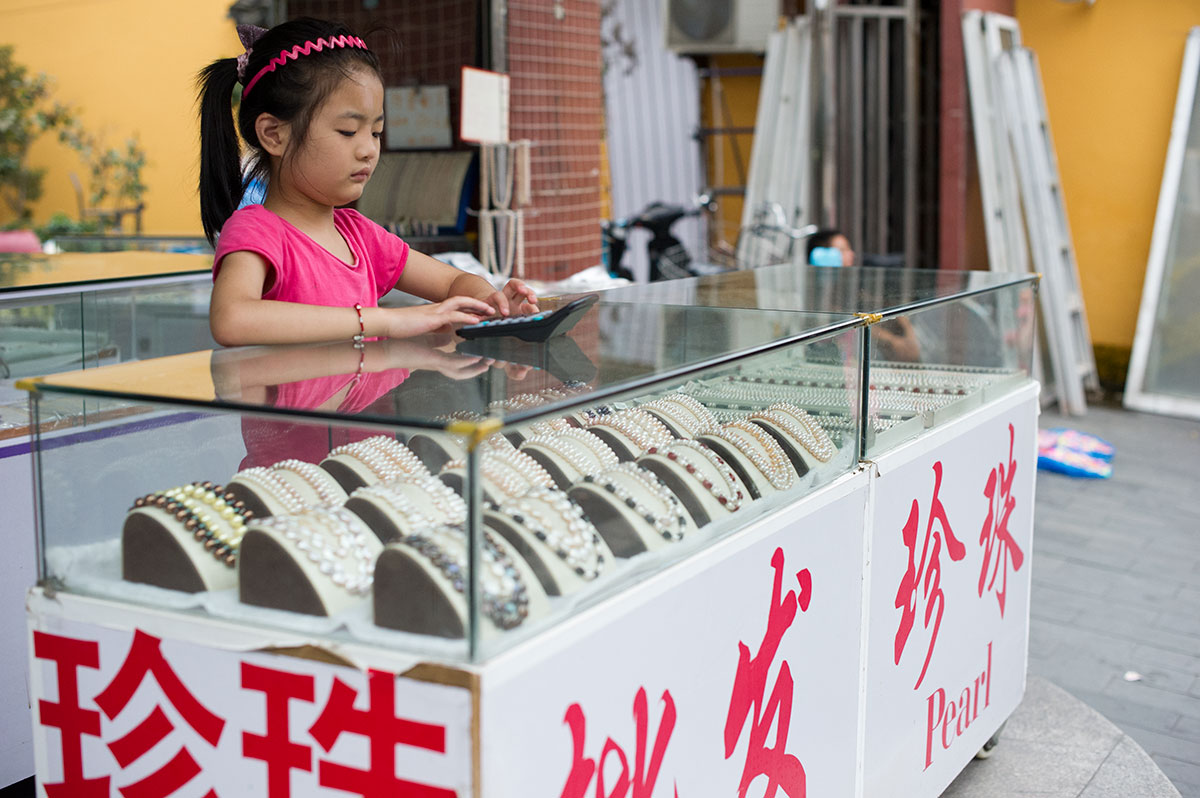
540, 326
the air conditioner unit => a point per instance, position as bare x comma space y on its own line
719, 26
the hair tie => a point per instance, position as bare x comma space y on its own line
307, 48
248, 35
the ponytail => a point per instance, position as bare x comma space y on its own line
220, 156
289, 88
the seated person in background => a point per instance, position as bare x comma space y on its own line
896, 339
829, 247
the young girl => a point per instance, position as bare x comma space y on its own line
299, 267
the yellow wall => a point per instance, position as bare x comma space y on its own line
128, 66
1110, 72
731, 101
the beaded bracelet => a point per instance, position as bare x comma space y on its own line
361, 337
317, 478
505, 597
671, 524
578, 545
188, 502
731, 498
771, 460
326, 536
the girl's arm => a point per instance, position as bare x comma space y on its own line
238, 315
431, 279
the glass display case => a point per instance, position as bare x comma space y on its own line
439, 498
71, 311
85, 326
940, 342
452, 498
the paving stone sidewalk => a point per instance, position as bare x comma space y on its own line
1116, 610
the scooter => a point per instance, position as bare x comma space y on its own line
668, 258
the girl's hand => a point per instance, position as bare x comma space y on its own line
516, 298
456, 310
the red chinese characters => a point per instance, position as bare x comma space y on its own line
921, 583
281, 754
999, 548
67, 715
89, 773
384, 730
143, 659
749, 700
645, 774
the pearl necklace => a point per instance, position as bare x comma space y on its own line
522, 401
334, 540
763, 450
670, 523
639, 427
801, 427
731, 497
696, 419
268, 483
559, 523
385, 457
384, 495
511, 472
505, 598
582, 450
448, 506
327, 490
549, 427
195, 506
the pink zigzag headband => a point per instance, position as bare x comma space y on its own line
304, 49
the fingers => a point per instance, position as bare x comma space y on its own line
468, 304
500, 301
516, 288
459, 317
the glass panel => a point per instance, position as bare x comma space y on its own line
229, 516
933, 364
19, 272
117, 243
595, 499
340, 528
616, 346
41, 336
150, 321
855, 289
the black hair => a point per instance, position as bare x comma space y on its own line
822, 238
291, 93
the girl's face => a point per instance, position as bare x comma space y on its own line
334, 163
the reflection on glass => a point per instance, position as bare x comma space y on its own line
937, 362
819, 289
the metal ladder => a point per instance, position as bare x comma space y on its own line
1017, 97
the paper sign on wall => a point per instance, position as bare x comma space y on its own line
484, 114
418, 117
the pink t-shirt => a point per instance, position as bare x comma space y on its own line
308, 273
